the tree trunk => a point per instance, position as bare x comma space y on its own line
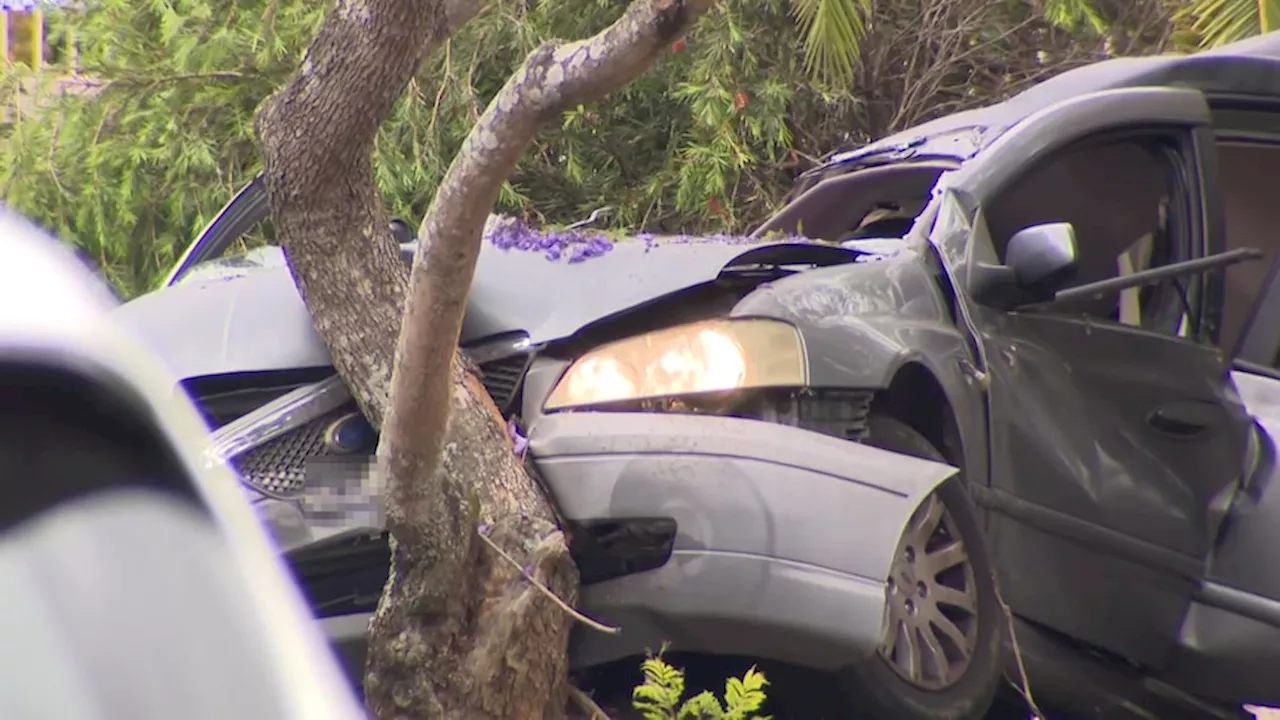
466, 627
317, 138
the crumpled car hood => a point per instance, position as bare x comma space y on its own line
244, 314
249, 321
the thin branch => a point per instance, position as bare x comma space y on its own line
593, 624
472, 104
1023, 685
444, 83
154, 83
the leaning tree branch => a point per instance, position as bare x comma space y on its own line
317, 135
458, 633
553, 78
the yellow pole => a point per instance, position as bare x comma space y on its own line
37, 39
4, 35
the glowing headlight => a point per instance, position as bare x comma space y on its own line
703, 357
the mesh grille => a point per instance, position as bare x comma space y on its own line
502, 377
279, 467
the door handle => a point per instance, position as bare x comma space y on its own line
1185, 418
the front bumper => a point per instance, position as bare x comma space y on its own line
784, 536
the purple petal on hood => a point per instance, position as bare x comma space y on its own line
576, 246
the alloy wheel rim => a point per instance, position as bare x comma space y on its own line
931, 623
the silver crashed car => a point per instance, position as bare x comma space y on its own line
135, 581
778, 551
1034, 342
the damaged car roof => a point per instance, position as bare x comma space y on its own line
1246, 68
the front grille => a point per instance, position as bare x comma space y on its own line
279, 467
502, 378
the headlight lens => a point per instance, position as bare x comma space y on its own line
710, 356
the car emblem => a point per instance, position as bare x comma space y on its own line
349, 434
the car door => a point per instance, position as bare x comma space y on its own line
1115, 428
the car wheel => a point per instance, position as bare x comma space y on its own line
940, 657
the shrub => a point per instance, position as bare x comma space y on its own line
661, 696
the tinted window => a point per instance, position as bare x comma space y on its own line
1247, 173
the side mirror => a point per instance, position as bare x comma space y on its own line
1039, 261
1043, 257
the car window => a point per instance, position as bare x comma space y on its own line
1247, 172
1122, 197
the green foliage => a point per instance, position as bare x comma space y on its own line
708, 141
832, 30
680, 148
1074, 15
661, 696
1218, 22
131, 170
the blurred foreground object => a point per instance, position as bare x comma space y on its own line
135, 581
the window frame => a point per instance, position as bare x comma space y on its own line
1259, 341
1177, 148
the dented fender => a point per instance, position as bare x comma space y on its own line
784, 537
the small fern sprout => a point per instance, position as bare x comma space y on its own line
661, 696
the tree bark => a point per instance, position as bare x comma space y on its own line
461, 631
317, 138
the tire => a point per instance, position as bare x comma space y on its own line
877, 689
